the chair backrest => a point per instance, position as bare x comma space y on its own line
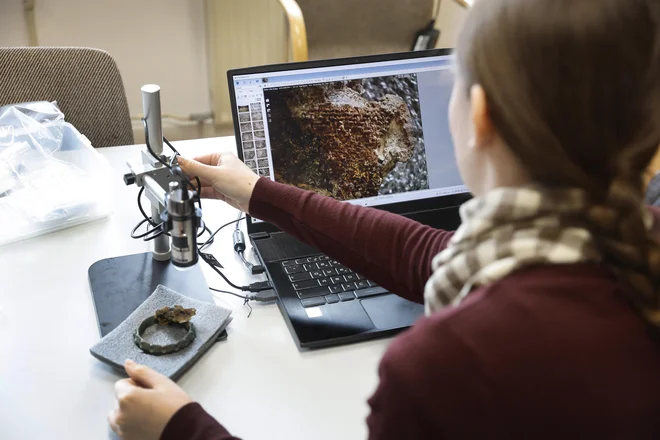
345, 28
85, 83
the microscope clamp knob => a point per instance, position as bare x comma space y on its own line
129, 178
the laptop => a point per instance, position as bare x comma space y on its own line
308, 124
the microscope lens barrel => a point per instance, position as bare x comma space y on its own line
181, 209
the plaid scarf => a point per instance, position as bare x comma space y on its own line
504, 231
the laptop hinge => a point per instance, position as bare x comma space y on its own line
259, 235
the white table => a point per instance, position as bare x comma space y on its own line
256, 383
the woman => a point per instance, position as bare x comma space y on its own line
543, 307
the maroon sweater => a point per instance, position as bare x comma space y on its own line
548, 352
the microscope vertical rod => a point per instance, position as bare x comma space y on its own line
152, 114
161, 243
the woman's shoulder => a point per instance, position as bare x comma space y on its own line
529, 315
539, 332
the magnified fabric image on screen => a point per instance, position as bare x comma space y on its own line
349, 139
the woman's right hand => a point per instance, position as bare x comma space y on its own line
223, 176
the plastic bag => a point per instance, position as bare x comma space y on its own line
50, 175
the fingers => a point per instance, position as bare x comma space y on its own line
124, 388
207, 192
208, 159
143, 375
112, 420
195, 168
203, 182
192, 180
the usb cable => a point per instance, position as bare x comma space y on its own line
239, 248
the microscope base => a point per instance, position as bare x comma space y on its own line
119, 285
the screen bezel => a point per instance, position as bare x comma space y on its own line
403, 208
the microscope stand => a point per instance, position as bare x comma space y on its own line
120, 284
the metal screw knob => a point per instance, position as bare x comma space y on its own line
129, 179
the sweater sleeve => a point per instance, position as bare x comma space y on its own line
193, 423
389, 249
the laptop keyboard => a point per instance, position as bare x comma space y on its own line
319, 280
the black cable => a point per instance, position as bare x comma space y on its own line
198, 190
239, 248
255, 269
137, 226
159, 159
171, 146
244, 260
144, 214
229, 293
256, 287
146, 141
203, 229
203, 255
169, 165
150, 231
246, 300
152, 237
147, 218
210, 240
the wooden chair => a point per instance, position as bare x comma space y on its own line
85, 83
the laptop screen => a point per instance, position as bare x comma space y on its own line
369, 134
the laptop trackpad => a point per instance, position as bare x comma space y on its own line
392, 311
331, 321
346, 317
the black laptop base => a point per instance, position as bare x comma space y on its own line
322, 325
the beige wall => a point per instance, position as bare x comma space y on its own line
153, 41
449, 22
12, 23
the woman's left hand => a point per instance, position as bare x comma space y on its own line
147, 401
